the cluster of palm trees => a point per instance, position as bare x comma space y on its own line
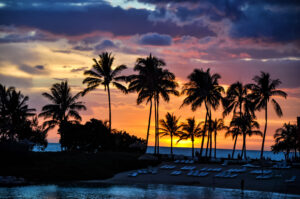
154, 83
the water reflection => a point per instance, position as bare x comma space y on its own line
134, 191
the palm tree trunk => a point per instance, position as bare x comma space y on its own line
234, 147
215, 155
149, 122
243, 146
157, 125
210, 144
265, 131
193, 147
109, 105
245, 155
203, 136
171, 145
155, 134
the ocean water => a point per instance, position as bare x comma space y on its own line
134, 191
221, 153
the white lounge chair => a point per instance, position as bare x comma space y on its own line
293, 179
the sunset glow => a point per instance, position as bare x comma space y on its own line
43, 42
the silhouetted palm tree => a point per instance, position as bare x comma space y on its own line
14, 111
248, 127
190, 130
143, 83
233, 131
102, 73
286, 138
170, 127
63, 106
217, 125
263, 91
203, 88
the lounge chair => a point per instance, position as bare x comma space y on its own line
263, 177
293, 179
134, 174
176, 173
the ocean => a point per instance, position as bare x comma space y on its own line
221, 153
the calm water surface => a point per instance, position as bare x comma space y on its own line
133, 191
221, 153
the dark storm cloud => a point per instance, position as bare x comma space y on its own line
101, 17
155, 39
40, 67
270, 20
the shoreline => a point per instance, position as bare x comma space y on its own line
276, 185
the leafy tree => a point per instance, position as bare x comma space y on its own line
102, 73
263, 91
190, 130
170, 127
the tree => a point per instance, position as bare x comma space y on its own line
233, 131
171, 127
14, 113
263, 91
286, 139
143, 83
203, 88
217, 125
102, 73
190, 130
247, 126
63, 106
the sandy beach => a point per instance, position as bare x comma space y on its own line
163, 176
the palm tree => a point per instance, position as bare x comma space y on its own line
143, 83
190, 130
170, 127
263, 91
102, 73
286, 138
63, 106
14, 112
217, 125
247, 126
203, 88
233, 131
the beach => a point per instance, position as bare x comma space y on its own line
163, 176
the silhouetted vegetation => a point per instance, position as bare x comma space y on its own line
18, 123
286, 140
95, 136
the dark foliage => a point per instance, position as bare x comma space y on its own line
95, 136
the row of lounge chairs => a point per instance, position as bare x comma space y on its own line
168, 167
243, 170
197, 173
226, 174
142, 171
176, 173
188, 168
184, 161
259, 171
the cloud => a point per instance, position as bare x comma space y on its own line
36, 70
105, 44
155, 39
18, 82
82, 48
79, 69
74, 21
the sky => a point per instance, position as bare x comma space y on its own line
45, 42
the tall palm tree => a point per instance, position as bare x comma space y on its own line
143, 83
63, 106
217, 125
263, 91
190, 130
247, 126
102, 73
203, 88
171, 127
